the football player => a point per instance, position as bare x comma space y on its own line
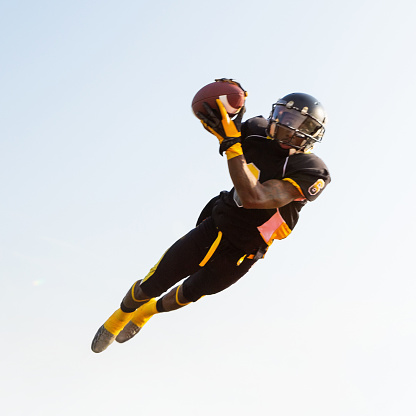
274, 175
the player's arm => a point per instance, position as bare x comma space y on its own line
253, 194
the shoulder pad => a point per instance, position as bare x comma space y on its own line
254, 126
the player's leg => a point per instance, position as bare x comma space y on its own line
227, 267
181, 260
171, 301
108, 332
221, 272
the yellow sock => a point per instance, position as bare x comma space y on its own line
144, 313
116, 322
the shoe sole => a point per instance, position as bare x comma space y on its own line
102, 340
129, 331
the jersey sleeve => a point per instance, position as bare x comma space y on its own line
308, 173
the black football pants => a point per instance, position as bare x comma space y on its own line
183, 259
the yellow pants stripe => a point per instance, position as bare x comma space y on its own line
153, 269
211, 250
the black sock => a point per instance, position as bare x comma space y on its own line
159, 306
126, 309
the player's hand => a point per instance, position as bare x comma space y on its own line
219, 123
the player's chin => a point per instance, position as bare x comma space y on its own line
285, 146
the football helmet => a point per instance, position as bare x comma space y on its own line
297, 121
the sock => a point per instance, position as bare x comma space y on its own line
116, 322
144, 313
159, 305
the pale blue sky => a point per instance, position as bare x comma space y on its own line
103, 166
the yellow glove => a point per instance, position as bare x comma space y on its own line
225, 129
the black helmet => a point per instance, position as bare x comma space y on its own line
297, 120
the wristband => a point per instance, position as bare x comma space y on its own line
234, 151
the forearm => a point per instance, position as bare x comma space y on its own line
244, 181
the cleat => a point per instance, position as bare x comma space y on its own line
111, 328
102, 340
129, 331
139, 319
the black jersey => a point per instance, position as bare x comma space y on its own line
255, 229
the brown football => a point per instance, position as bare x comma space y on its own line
231, 95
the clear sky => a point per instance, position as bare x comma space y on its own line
103, 166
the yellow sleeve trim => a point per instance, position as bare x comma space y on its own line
294, 184
234, 151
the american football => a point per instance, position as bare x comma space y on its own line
231, 95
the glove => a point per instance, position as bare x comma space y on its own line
227, 131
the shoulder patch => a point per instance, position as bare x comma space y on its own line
316, 187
